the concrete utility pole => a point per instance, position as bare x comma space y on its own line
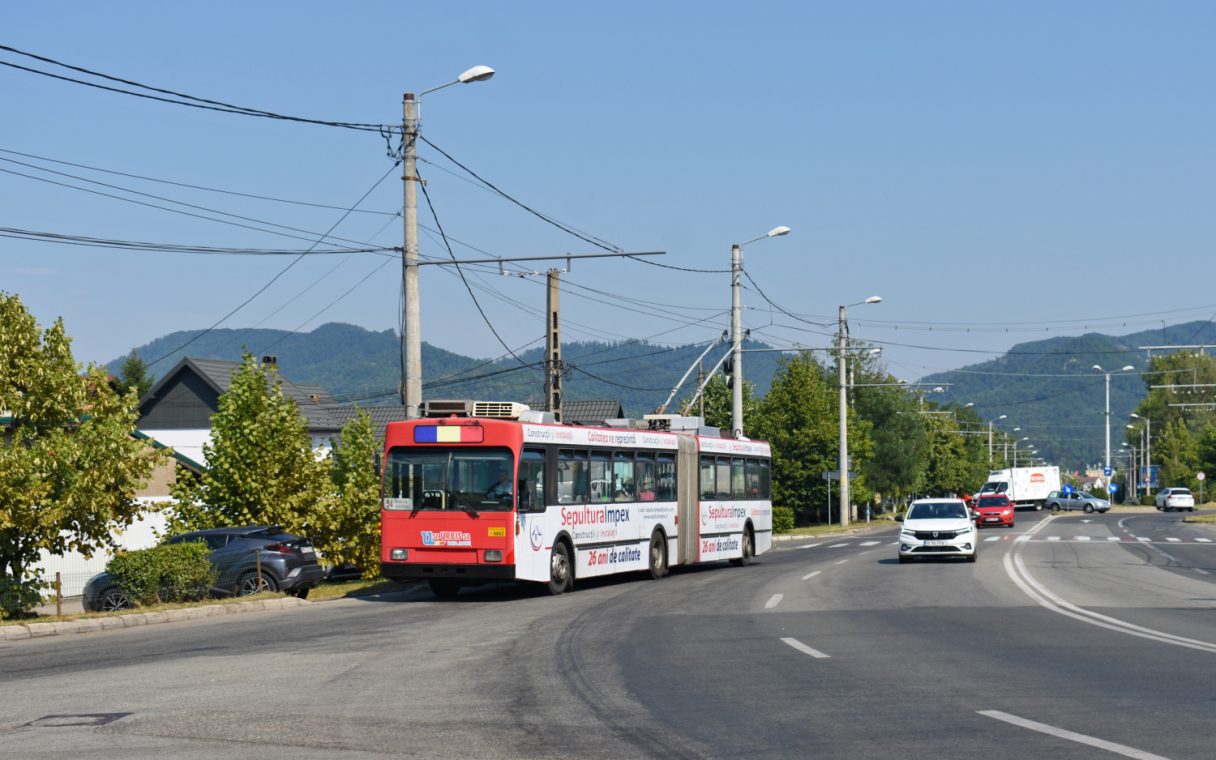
553, 349
736, 330
846, 505
411, 328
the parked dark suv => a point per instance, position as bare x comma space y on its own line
289, 563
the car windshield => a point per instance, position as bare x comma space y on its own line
994, 501
936, 510
995, 486
450, 478
1179, 492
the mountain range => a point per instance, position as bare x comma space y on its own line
1047, 389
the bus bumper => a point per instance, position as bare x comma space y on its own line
421, 571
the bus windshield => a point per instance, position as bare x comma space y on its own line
471, 480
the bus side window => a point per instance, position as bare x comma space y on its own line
531, 485
665, 477
707, 478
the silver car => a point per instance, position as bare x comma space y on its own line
1086, 502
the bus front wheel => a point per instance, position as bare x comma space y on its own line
560, 577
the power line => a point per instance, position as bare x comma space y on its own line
585, 237
284, 271
185, 99
190, 186
143, 246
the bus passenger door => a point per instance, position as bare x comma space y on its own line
688, 508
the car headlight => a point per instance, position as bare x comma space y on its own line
907, 532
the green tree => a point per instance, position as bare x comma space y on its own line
798, 418
261, 468
69, 464
901, 442
134, 375
954, 465
347, 529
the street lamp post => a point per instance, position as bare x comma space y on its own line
1098, 367
1003, 416
846, 505
1147, 448
736, 330
411, 333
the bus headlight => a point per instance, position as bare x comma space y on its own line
400, 555
493, 555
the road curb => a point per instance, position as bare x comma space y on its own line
136, 619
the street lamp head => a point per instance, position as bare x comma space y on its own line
939, 389
1003, 416
969, 404
1136, 416
476, 74
1098, 367
873, 299
1128, 368
778, 232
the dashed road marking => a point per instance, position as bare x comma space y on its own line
1043, 728
840, 562
1053, 538
869, 543
1145, 539
1173, 540
808, 576
993, 538
1083, 538
1204, 540
809, 546
773, 601
796, 644
1113, 538
837, 546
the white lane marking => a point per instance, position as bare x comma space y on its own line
1201, 571
1053, 538
796, 644
808, 576
1204, 540
1016, 569
869, 543
809, 546
1173, 540
840, 562
1145, 539
773, 601
1082, 538
1043, 728
993, 538
837, 546
1113, 538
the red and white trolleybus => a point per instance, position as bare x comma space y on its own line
468, 500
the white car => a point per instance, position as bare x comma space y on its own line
1169, 499
938, 528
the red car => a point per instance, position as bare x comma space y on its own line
994, 509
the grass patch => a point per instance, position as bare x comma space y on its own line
344, 589
825, 530
1200, 519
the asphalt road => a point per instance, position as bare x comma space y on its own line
1077, 636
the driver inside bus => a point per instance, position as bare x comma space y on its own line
501, 489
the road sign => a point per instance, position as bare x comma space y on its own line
830, 475
1200, 475
1067, 488
1113, 487
1106, 471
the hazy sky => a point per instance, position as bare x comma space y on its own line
997, 172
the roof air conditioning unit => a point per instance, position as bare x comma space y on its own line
503, 410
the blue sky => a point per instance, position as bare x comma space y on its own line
997, 172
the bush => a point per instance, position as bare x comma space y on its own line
17, 597
168, 573
783, 519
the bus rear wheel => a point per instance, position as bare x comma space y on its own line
748, 551
658, 556
560, 577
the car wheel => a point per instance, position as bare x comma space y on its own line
112, 600
248, 584
748, 551
1089, 508
560, 577
1055, 508
904, 560
658, 556
444, 589
972, 556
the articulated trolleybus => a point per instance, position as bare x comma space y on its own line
494, 491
